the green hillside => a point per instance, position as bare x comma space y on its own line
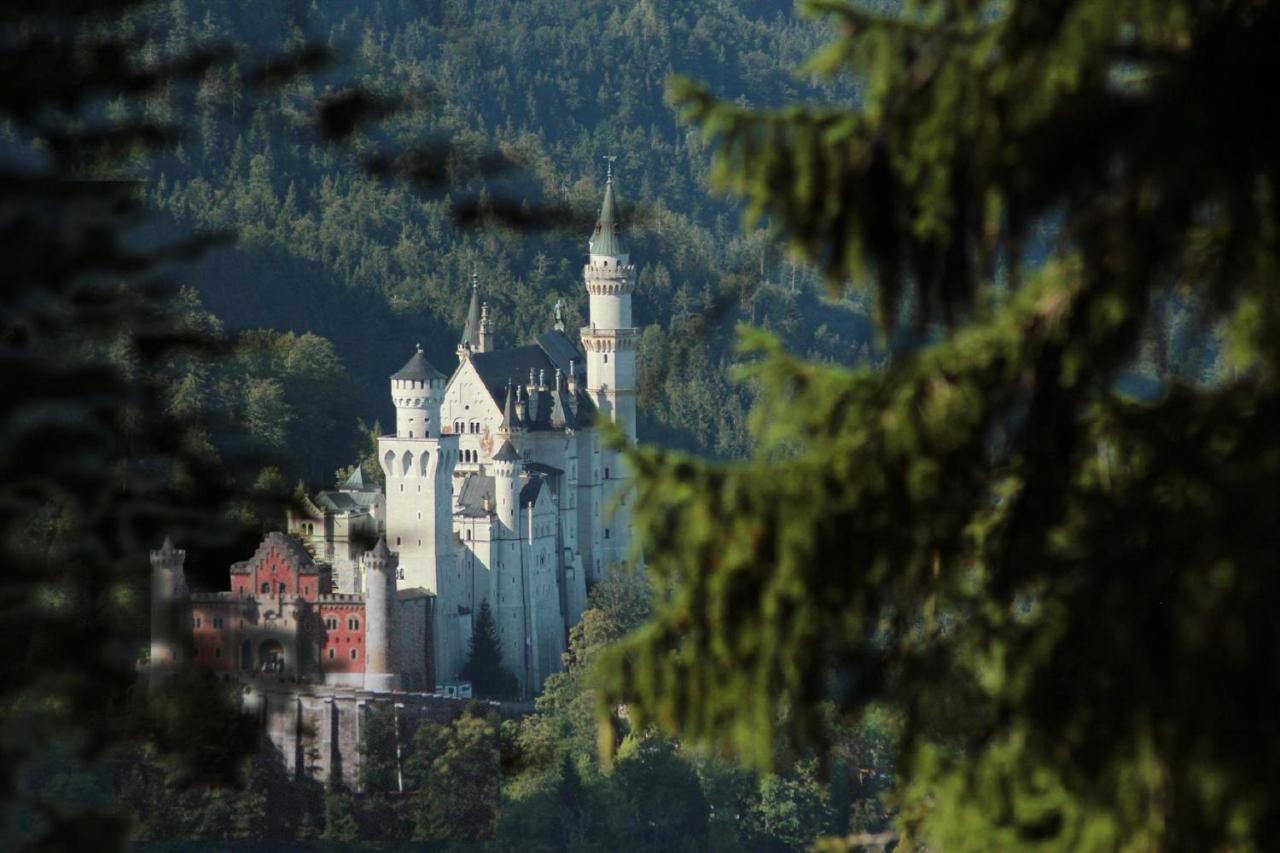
376, 265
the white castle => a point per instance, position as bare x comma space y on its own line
497, 485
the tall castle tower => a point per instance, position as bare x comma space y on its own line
169, 615
418, 462
610, 344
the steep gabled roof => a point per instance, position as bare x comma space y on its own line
563, 353
476, 491
498, 368
530, 491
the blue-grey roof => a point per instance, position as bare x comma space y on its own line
544, 410
418, 368
471, 497
607, 237
356, 482
506, 453
563, 353
471, 331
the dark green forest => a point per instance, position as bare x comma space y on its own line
374, 265
902, 553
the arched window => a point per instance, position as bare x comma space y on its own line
282, 589
606, 358
333, 654
266, 587
353, 653
353, 624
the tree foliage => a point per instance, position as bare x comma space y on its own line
1065, 591
483, 666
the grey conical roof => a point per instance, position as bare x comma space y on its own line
381, 549
356, 480
506, 453
509, 419
471, 331
607, 238
418, 368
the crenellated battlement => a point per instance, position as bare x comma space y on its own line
606, 279
609, 340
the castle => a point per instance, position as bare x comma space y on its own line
497, 487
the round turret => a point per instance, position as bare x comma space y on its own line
379, 612
168, 606
417, 390
506, 484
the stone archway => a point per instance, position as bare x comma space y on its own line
271, 656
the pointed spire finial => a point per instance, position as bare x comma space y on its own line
609, 158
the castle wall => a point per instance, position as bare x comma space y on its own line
316, 731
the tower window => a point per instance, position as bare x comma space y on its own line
606, 358
353, 624
333, 654
606, 533
397, 540
353, 653
266, 587
217, 621
198, 622
282, 589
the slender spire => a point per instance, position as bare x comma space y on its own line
607, 237
509, 422
471, 331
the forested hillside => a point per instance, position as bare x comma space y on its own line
375, 265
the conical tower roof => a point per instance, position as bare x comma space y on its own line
510, 421
381, 549
418, 368
607, 237
506, 453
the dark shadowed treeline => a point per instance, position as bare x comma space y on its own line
532, 784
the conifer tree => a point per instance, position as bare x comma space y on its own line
1066, 592
483, 668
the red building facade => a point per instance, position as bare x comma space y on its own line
280, 617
